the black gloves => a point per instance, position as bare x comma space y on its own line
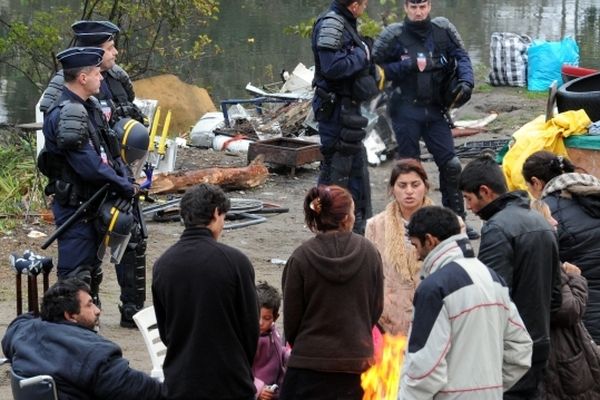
132, 111
123, 205
461, 93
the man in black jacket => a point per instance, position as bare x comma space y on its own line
64, 345
206, 308
520, 245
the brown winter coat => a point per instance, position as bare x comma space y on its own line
401, 267
573, 370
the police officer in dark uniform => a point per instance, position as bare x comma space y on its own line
116, 94
116, 99
80, 156
431, 72
344, 77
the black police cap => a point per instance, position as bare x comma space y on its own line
79, 57
94, 33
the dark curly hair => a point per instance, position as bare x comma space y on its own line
268, 297
61, 297
198, 204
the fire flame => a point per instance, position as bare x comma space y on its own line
381, 381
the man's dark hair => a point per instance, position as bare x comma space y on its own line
437, 221
71, 74
482, 171
268, 297
198, 204
61, 297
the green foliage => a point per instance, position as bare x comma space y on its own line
19, 189
148, 28
367, 26
303, 29
30, 46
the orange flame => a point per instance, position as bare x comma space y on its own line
380, 382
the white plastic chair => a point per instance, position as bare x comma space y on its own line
146, 322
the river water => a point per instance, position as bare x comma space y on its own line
255, 48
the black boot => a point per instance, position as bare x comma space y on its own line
127, 312
452, 196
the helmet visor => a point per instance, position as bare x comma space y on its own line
117, 243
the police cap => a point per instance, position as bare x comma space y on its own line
417, 1
79, 57
94, 33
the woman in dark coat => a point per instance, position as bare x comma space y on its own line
574, 200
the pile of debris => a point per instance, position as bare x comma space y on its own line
282, 111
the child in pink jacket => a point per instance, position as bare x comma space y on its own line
271, 355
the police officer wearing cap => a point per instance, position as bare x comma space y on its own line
430, 70
117, 94
344, 77
117, 89
80, 156
116, 98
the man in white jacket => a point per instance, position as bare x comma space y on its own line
467, 340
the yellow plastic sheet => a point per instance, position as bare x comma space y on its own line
541, 135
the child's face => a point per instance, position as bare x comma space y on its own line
267, 318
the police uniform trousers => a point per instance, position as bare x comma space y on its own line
412, 122
355, 165
78, 245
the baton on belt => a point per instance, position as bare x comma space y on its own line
76, 215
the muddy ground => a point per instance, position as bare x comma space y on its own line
265, 244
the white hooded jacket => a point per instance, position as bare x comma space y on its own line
467, 340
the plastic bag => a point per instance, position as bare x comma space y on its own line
508, 59
546, 60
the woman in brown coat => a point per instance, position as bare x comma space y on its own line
332, 297
409, 186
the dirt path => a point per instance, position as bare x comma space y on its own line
265, 243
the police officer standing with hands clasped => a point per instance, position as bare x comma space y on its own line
344, 77
431, 72
81, 155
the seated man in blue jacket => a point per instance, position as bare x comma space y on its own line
64, 344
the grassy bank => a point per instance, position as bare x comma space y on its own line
20, 187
